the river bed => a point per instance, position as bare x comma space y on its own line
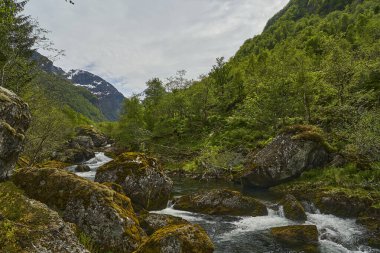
251, 234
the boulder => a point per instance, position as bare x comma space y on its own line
221, 202
82, 168
98, 138
178, 239
81, 141
102, 214
293, 209
151, 222
141, 178
370, 219
14, 121
295, 150
74, 155
301, 237
29, 226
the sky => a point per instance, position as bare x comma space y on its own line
128, 42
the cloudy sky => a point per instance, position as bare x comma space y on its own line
127, 42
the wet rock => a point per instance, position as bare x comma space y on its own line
30, 226
370, 219
104, 215
14, 121
178, 239
141, 178
221, 202
300, 237
74, 155
82, 168
293, 209
341, 202
151, 222
296, 150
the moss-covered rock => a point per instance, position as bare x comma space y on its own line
53, 164
151, 222
221, 202
293, 209
297, 149
342, 202
141, 177
29, 226
370, 219
106, 216
82, 168
97, 138
74, 155
183, 238
303, 238
14, 121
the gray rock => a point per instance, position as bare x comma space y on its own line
141, 178
178, 239
286, 157
34, 228
14, 121
106, 216
82, 168
151, 222
221, 202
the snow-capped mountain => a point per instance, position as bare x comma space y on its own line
110, 99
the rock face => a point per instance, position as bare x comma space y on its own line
104, 215
29, 226
293, 209
301, 237
151, 222
221, 202
178, 239
14, 121
141, 178
296, 150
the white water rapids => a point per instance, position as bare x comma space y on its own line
251, 234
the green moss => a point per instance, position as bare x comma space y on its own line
21, 222
192, 238
4, 98
129, 163
53, 164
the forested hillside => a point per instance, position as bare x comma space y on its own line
317, 62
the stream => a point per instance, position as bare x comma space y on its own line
251, 234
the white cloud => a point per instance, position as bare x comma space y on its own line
130, 41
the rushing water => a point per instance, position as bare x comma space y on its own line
251, 234
94, 163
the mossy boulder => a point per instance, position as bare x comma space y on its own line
221, 202
295, 150
27, 225
370, 219
141, 178
98, 138
82, 168
73, 155
151, 222
14, 121
183, 238
293, 209
106, 216
303, 238
53, 164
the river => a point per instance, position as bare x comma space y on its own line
251, 234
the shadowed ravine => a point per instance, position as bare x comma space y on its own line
251, 234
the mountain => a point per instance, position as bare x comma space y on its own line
110, 100
81, 90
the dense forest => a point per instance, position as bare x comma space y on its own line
317, 63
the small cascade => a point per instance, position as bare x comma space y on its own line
99, 160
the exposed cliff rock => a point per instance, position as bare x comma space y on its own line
296, 150
106, 216
141, 178
14, 121
221, 202
29, 226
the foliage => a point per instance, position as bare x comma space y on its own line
316, 63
